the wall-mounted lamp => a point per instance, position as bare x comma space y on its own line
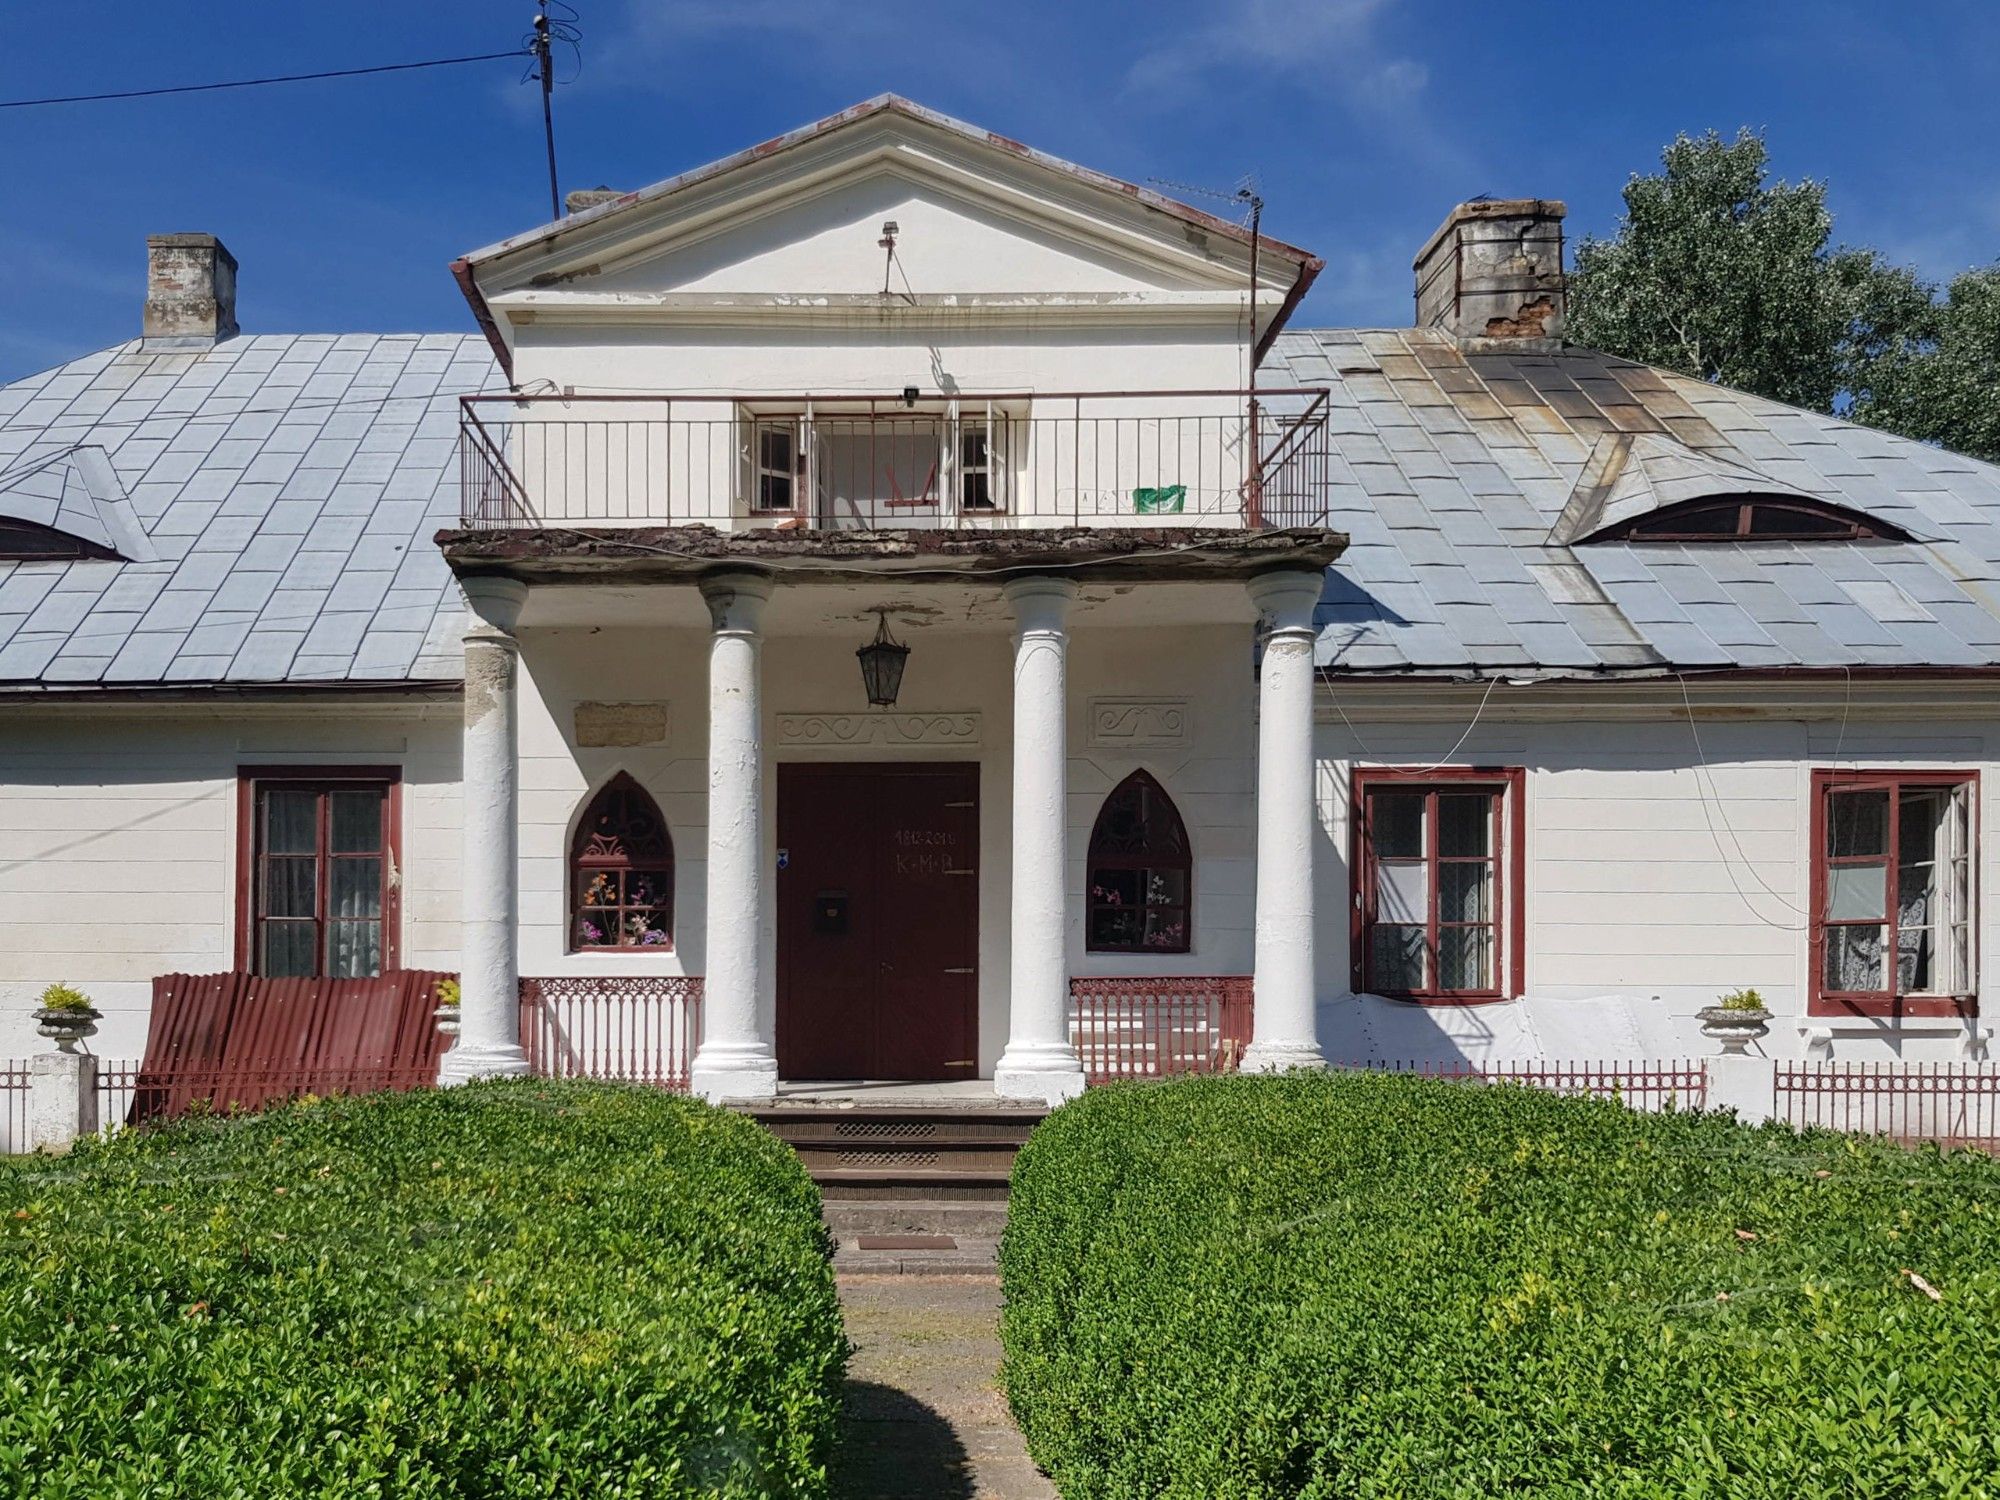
882, 661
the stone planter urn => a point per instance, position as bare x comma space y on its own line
67, 1027
447, 1020
1734, 1027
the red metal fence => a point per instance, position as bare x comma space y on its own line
1951, 1103
1641, 1085
634, 1028
1156, 1028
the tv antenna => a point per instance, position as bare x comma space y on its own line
563, 26
1247, 198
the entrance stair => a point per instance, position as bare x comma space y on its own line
913, 1184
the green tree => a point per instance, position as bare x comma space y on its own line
1943, 383
1721, 274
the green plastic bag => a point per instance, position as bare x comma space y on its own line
1165, 501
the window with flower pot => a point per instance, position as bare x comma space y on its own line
622, 873
1437, 908
319, 879
1893, 888
1141, 872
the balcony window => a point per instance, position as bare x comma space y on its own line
779, 466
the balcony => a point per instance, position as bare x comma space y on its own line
1001, 462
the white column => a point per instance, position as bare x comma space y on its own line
489, 1032
1039, 1062
737, 1059
1285, 1032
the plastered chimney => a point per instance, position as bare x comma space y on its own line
1492, 275
190, 292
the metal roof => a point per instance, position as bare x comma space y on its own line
276, 496
1468, 483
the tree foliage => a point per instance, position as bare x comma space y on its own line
1725, 275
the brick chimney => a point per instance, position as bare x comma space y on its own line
1492, 275
190, 291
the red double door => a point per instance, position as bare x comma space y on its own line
878, 921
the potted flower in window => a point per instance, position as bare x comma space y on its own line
1736, 1020
65, 1016
447, 995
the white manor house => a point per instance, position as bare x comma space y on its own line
895, 605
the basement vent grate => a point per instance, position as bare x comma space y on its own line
887, 1130
864, 1158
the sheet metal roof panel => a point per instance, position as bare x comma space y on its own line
1530, 423
243, 460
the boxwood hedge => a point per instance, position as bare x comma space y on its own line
505, 1290
1381, 1286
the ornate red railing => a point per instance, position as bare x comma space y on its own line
630, 1027
1951, 1103
1159, 1027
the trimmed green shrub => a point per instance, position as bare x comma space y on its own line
512, 1289
1391, 1286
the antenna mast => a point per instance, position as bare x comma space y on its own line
540, 43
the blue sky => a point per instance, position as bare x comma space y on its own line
1364, 120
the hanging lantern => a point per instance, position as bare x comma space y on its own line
882, 662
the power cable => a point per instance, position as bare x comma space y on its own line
252, 83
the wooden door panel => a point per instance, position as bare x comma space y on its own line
878, 921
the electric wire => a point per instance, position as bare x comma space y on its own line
1446, 759
1707, 794
253, 83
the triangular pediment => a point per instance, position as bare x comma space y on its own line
977, 216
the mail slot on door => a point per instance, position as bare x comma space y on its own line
830, 912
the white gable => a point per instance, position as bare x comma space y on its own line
948, 242
802, 218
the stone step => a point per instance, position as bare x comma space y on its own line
937, 1156
961, 1218
965, 1257
985, 1185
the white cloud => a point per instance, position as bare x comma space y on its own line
1332, 40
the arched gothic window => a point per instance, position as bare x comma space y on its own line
1141, 896
622, 872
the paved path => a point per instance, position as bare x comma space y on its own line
925, 1419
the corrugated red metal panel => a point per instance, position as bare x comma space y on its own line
242, 1040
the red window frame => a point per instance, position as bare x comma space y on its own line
250, 780
1508, 858
1891, 1003
593, 858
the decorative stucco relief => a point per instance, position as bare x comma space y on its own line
878, 729
621, 723
1138, 723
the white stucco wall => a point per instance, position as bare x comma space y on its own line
118, 842
1651, 887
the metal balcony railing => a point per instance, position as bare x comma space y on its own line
1155, 458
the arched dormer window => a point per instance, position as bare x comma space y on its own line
622, 872
1141, 873
29, 541
1751, 518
